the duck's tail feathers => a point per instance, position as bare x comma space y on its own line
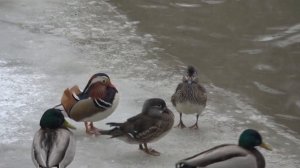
112, 124
115, 132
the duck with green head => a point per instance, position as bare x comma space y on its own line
53, 144
243, 155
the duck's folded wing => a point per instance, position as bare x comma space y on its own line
225, 156
149, 133
202, 95
173, 98
69, 152
145, 128
38, 153
179, 87
201, 88
63, 150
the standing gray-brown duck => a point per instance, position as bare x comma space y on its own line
155, 121
190, 97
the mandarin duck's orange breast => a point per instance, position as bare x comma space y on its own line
97, 90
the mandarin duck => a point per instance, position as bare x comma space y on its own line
97, 101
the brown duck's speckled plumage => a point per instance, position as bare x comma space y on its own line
193, 93
145, 127
190, 96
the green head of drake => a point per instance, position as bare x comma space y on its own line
251, 138
54, 119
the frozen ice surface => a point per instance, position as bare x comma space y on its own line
46, 46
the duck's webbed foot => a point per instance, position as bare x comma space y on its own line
90, 129
148, 150
195, 126
180, 125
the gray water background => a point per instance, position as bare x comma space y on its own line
249, 47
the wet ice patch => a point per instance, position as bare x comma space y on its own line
283, 38
288, 41
187, 5
213, 2
288, 117
267, 89
153, 6
266, 38
92, 2
264, 67
2, 62
251, 51
188, 28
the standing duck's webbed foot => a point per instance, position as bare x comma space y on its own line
180, 125
90, 129
149, 150
195, 126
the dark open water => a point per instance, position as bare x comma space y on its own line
249, 47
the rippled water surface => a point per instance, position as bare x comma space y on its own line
249, 47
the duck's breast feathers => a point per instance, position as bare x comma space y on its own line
53, 147
177, 94
224, 156
193, 93
190, 108
179, 87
